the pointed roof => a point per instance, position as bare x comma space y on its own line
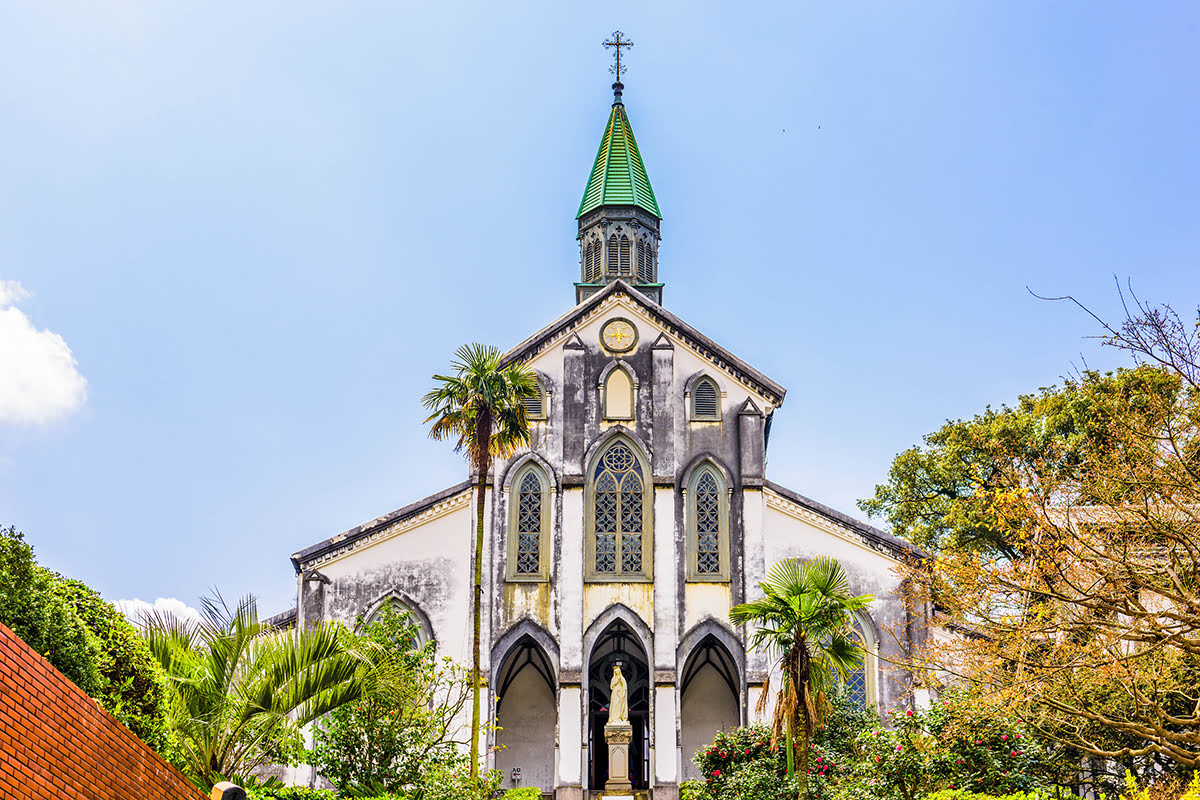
618, 177
701, 344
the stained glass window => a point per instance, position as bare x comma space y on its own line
529, 525
618, 516
708, 525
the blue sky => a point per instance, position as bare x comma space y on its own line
261, 227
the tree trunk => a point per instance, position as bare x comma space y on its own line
483, 439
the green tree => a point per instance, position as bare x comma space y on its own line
1062, 535
43, 617
482, 408
132, 685
806, 620
389, 741
242, 690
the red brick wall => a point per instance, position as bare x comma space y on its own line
55, 742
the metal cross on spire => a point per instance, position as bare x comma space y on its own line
616, 44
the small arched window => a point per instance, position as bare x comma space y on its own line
860, 683
529, 526
706, 400
625, 268
613, 259
618, 394
535, 406
619, 518
392, 611
708, 525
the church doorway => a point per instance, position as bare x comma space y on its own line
619, 643
526, 713
708, 700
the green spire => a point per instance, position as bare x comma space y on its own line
618, 177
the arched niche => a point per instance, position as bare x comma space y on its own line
525, 694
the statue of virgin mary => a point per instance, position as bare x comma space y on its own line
618, 700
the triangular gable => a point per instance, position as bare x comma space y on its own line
705, 347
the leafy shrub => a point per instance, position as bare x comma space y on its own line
692, 790
132, 685
393, 739
277, 791
741, 764
86, 639
1165, 788
523, 793
42, 617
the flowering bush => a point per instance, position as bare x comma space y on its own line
740, 765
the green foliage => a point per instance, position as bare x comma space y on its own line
132, 685
389, 740
951, 747
34, 608
955, 492
241, 691
523, 793
280, 792
86, 639
805, 620
692, 790
742, 764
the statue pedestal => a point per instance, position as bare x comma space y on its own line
618, 737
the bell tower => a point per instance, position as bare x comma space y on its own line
618, 216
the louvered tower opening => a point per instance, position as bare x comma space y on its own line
625, 269
705, 400
612, 255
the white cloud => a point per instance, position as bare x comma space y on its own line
135, 610
39, 378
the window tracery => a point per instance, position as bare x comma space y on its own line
619, 513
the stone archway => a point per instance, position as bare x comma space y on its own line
708, 699
620, 643
526, 713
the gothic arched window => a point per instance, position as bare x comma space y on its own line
529, 525
706, 400
707, 525
612, 255
619, 518
860, 683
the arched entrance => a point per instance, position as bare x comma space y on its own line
526, 713
618, 642
708, 699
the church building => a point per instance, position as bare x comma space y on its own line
638, 516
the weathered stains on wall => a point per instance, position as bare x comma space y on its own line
637, 597
527, 600
430, 565
704, 600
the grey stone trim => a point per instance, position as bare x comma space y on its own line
367, 528
284, 619
880, 540
705, 346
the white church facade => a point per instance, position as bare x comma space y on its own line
638, 516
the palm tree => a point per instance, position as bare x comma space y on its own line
242, 689
806, 620
481, 407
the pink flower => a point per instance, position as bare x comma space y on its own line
747, 751
951, 785
1012, 752
877, 758
909, 712
1004, 738
899, 749
716, 773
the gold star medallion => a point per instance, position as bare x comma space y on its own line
619, 335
